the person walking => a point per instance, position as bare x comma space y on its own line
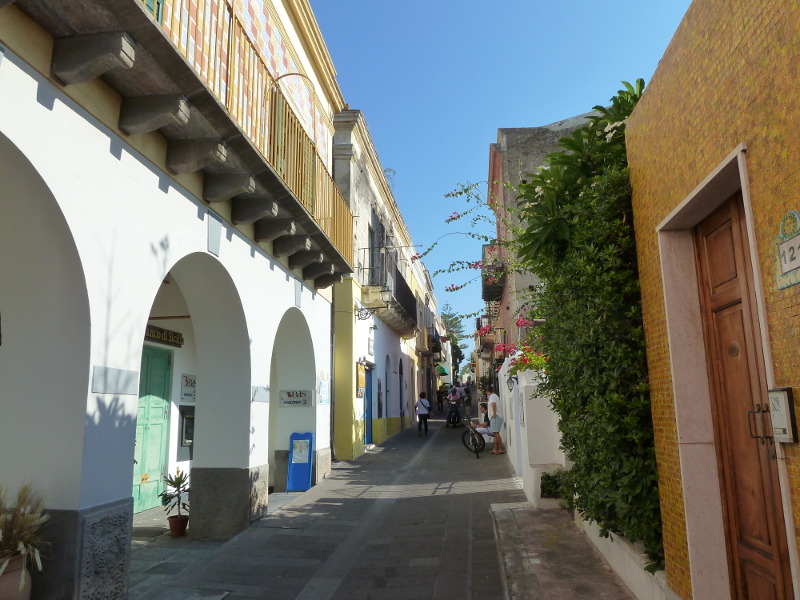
423, 409
496, 420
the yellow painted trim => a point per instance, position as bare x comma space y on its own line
307, 27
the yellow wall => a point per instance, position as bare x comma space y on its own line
347, 432
730, 75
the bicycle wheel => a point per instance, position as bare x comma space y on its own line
472, 441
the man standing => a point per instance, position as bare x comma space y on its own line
496, 421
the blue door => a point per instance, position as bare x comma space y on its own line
368, 409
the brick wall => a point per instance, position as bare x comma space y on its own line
730, 75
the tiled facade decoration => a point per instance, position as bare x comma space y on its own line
203, 30
729, 76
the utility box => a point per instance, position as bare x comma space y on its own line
301, 460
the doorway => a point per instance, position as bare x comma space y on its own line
755, 536
152, 428
692, 380
368, 408
401, 396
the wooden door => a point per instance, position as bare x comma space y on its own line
152, 429
757, 550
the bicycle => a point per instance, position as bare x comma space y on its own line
472, 440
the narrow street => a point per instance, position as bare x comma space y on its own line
411, 519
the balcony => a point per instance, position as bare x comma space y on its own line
192, 73
389, 296
493, 274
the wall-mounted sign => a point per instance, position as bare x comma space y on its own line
296, 397
188, 388
787, 251
163, 336
361, 380
324, 396
781, 412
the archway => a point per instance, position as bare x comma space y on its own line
293, 386
197, 328
45, 349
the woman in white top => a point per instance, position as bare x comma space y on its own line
423, 409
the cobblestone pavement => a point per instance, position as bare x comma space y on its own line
414, 518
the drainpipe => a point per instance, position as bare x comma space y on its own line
332, 387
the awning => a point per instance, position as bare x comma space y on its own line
440, 370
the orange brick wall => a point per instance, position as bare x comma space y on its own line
730, 75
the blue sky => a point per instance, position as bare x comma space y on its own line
435, 79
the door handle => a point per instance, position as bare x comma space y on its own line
770, 439
756, 411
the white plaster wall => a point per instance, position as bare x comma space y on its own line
131, 224
388, 343
44, 354
531, 434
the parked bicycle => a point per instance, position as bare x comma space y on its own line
472, 440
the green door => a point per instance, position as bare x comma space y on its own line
152, 429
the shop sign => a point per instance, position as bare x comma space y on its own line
163, 336
188, 389
296, 397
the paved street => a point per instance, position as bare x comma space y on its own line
414, 518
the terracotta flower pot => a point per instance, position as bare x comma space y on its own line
9, 581
177, 525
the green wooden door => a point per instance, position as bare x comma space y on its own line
152, 429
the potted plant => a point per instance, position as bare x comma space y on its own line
20, 542
176, 496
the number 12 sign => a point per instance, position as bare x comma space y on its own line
787, 251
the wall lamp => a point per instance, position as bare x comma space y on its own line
512, 379
362, 314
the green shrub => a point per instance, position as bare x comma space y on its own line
579, 240
555, 485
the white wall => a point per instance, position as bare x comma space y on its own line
131, 225
531, 433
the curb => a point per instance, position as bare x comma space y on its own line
519, 581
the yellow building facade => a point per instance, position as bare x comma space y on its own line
712, 150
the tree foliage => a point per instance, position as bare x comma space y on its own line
579, 240
455, 329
